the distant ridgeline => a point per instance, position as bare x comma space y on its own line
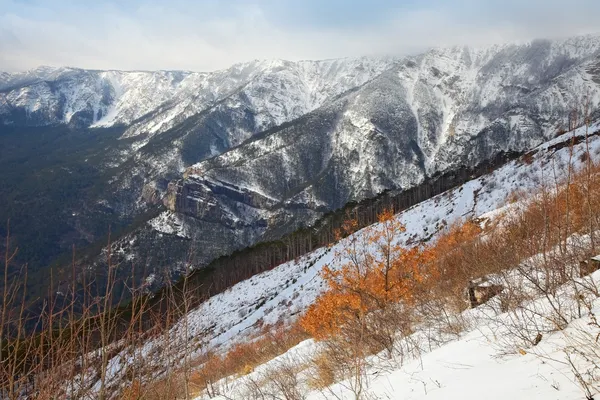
226, 271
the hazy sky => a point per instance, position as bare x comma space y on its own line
205, 35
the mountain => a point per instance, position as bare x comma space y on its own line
152, 102
425, 115
260, 149
123, 134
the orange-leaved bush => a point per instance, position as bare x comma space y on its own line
376, 273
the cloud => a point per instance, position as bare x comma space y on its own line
211, 34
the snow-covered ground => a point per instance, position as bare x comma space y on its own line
281, 294
473, 365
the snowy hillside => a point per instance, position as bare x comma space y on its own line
254, 152
98, 98
282, 294
274, 91
266, 147
430, 113
152, 102
486, 358
475, 363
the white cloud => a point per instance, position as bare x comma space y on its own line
152, 36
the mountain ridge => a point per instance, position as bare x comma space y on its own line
311, 135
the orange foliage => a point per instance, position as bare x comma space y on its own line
378, 272
458, 256
244, 357
456, 236
452, 246
133, 392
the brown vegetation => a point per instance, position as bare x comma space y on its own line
386, 291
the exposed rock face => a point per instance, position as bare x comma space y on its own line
150, 194
480, 292
208, 200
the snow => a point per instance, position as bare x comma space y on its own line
281, 294
169, 223
444, 81
459, 105
474, 364
279, 91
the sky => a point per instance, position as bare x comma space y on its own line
206, 35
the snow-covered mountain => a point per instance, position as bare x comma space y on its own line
255, 151
165, 120
286, 291
152, 102
214, 162
427, 114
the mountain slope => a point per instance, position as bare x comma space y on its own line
169, 121
429, 114
153, 102
475, 360
266, 147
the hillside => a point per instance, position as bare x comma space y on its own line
478, 362
528, 346
424, 115
284, 292
278, 297
299, 200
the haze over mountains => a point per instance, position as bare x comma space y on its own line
226, 159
